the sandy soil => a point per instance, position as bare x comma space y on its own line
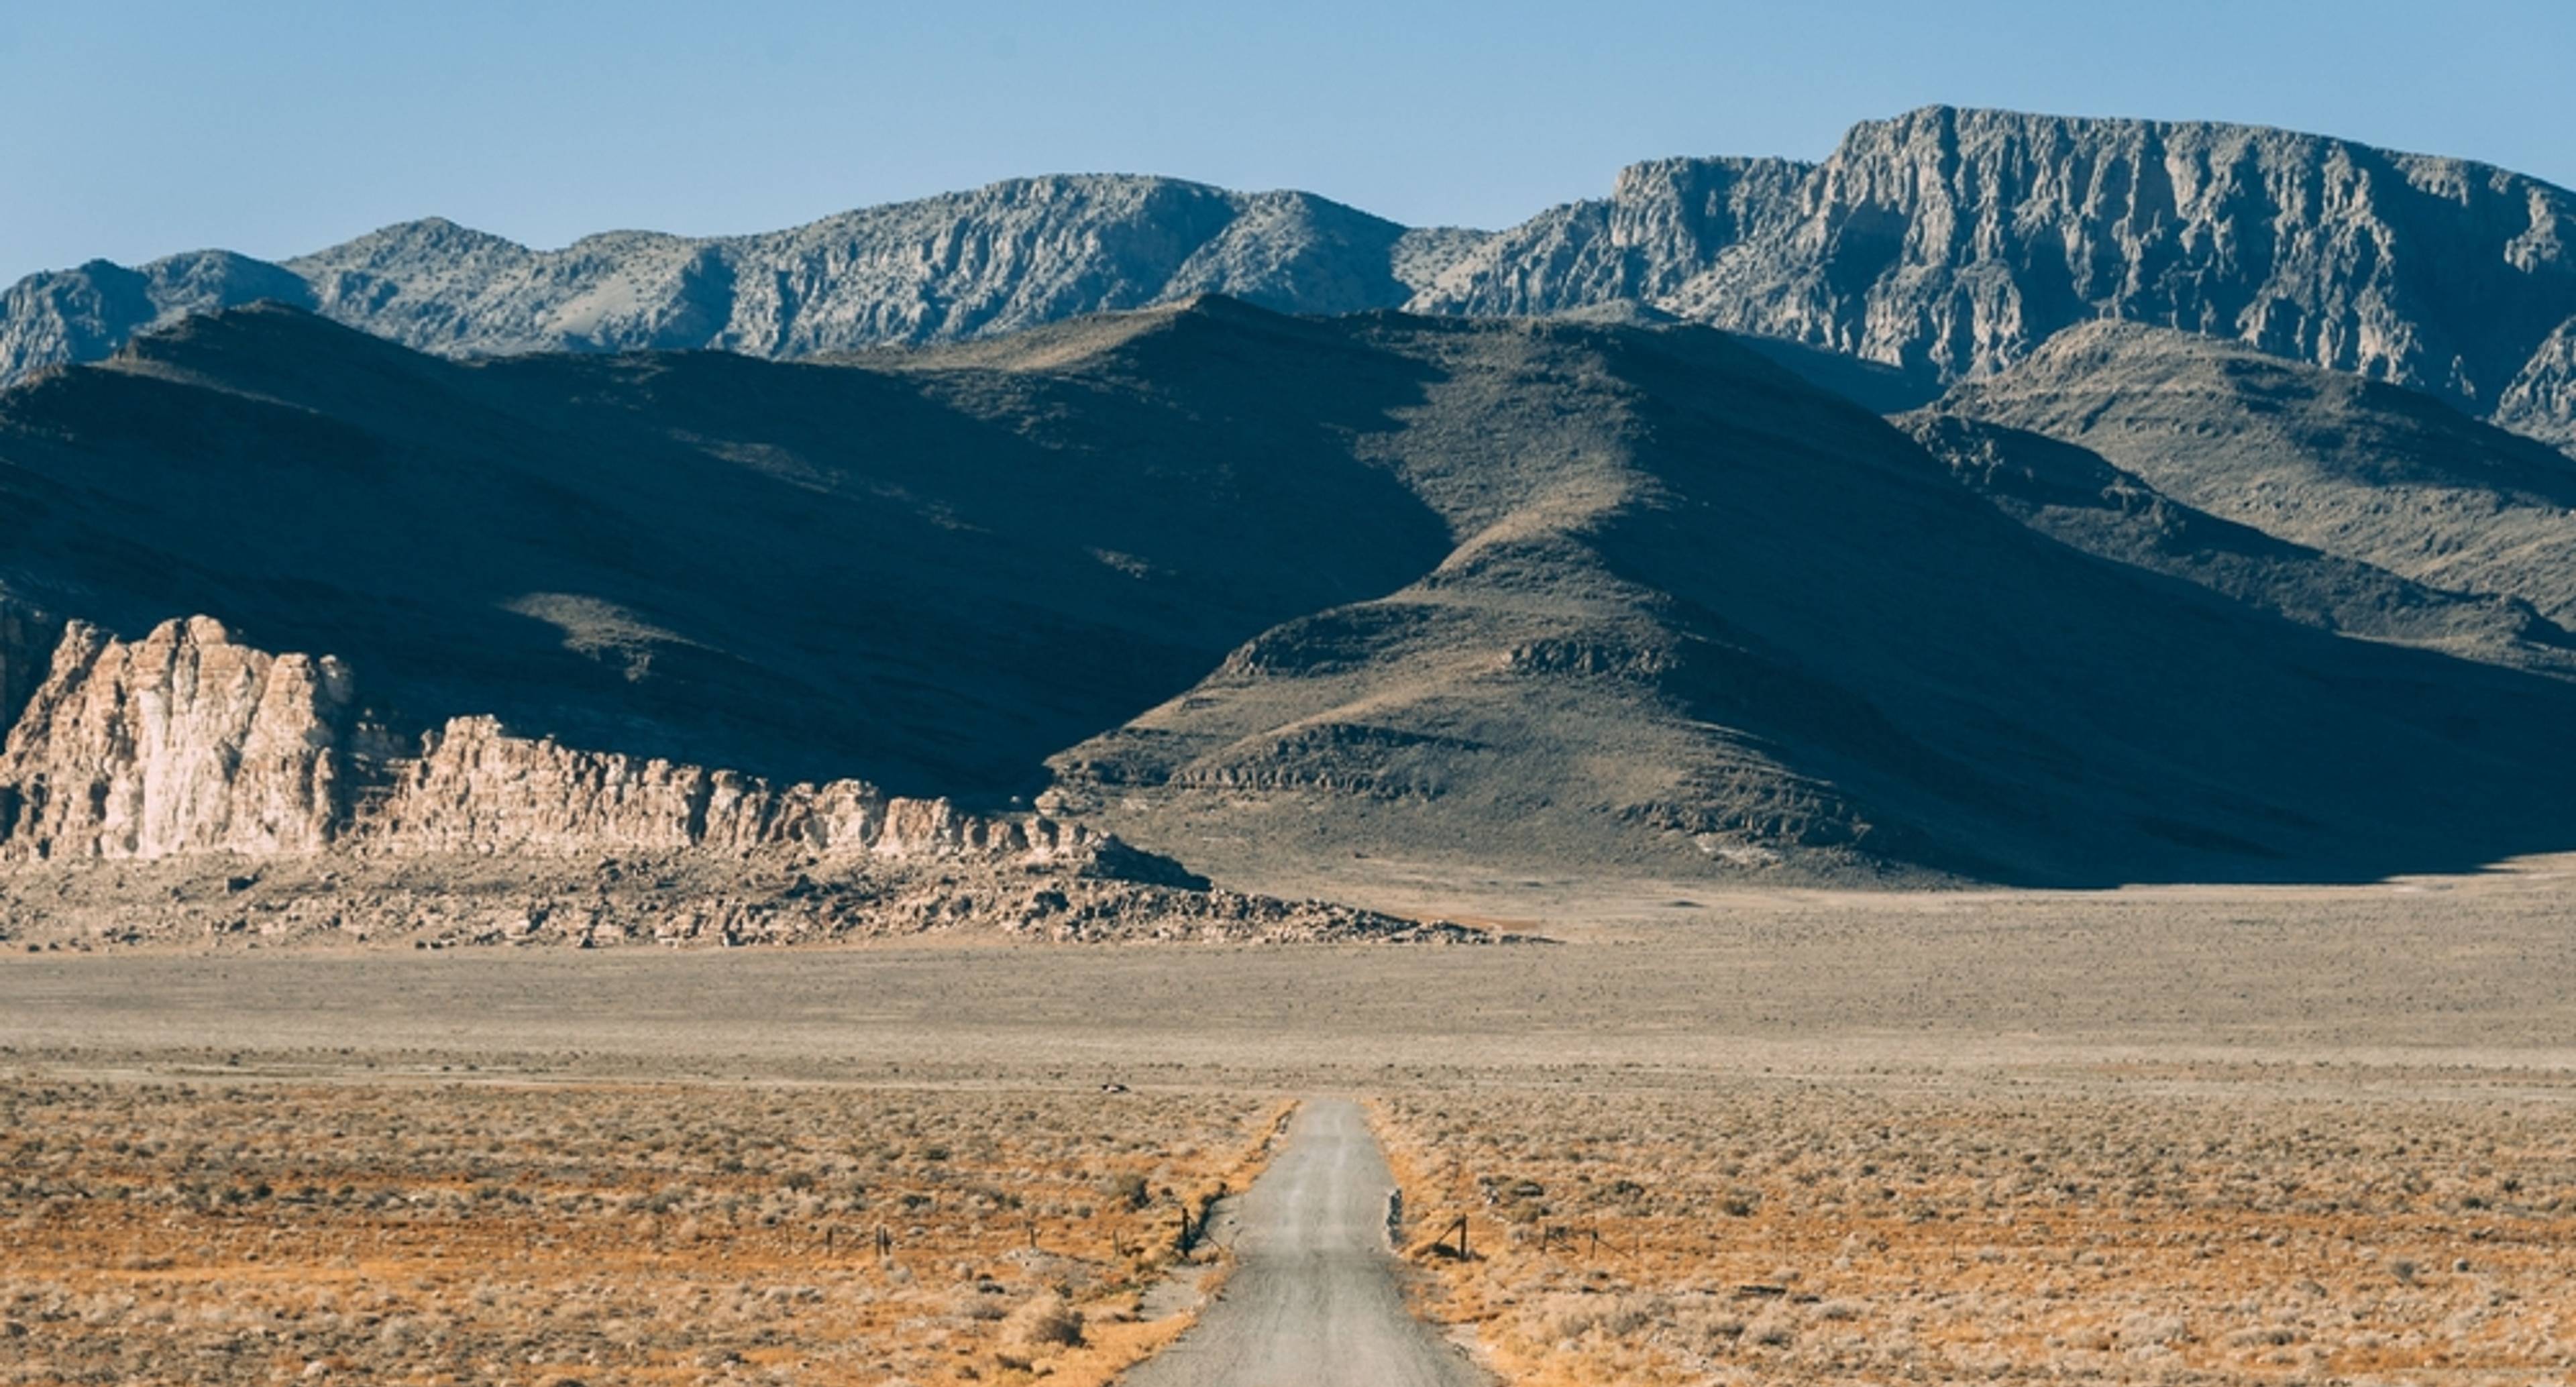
2443, 971
2204, 1136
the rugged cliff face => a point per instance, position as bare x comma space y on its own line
182, 742
1945, 243
2541, 401
188, 742
1951, 243
187, 787
1667, 220
1958, 240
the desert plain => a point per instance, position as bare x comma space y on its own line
2165, 1135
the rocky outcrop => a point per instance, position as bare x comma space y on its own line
2541, 401
188, 742
1665, 221
476, 788
1955, 241
185, 788
181, 742
676, 899
1946, 243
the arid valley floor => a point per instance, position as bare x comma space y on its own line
2195, 1135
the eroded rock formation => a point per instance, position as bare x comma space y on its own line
180, 742
188, 742
187, 787
1952, 242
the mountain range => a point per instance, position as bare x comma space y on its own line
1938, 246
2003, 499
1258, 591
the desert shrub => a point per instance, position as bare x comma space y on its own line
1045, 1322
1759, 1231
644, 1232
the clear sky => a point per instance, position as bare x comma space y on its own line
129, 130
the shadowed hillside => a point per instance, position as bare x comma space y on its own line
2363, 471
788, 569
1262, 592
1700, 607
2073, 495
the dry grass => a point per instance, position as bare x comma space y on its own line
1754, 1232
2192, 1136
242, 1232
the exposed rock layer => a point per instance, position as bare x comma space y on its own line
1944, 243
187, 788
186, 742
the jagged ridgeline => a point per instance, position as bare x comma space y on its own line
1247, 591
1938, 246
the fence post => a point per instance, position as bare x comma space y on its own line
1459, 1230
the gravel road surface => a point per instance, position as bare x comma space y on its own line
1315, 1300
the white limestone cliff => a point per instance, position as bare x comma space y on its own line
188, 742
180, 742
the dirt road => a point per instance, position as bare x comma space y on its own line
1315, 1301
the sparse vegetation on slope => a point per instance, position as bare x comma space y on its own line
2072, 494
2343, 466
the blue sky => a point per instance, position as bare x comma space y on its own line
129, 130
